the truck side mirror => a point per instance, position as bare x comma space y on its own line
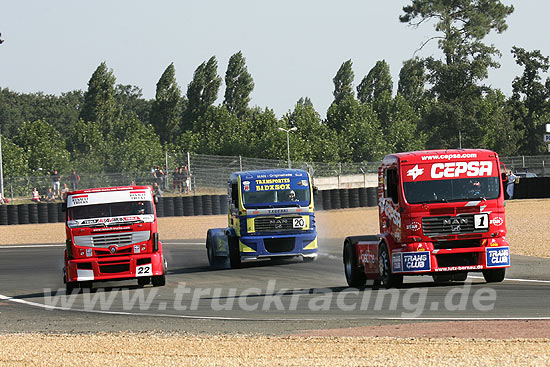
315, 190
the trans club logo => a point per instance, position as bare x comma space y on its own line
497, 221
415, 172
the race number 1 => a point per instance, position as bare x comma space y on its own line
481, 221
298, 223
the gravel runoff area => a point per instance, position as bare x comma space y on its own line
403, 345
176, 350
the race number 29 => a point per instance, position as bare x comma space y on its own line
481, 221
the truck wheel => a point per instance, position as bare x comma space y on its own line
494, 275
234, 253
158, 280
387, 279
209, 249
70, 287
460, 277
143, 281
308, 259
355, 276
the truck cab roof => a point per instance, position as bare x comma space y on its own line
267, 173
439, 155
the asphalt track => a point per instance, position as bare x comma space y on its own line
267, 297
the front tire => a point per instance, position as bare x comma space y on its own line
234, 253
387, 278
494, 275
355, 276
158, 280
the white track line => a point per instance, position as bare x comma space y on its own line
28, 246
516, 280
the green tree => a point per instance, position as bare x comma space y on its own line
166, 111
133, 146
131, 102
530, 99
462, 25
14, 159
43, 145
202, 92
99, 100
87, 146
343, 82
412, 82
238, 85
376, 85
343, 91
313, 141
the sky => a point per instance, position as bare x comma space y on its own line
292, 48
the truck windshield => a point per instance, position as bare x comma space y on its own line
266, 198
462, 189
117, 209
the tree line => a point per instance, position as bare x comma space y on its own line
438, 103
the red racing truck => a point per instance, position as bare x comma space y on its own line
112, 235
441, 213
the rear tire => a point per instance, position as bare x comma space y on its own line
494, 275
308, 259
387, 278
460, 277
355, 276
70, 287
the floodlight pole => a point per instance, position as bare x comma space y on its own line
287, 131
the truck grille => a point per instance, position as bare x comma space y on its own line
447, 225
271, 224
108, 239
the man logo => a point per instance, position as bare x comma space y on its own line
112, 249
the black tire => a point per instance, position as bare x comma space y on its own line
460, 277
33, 213
234, 253
209, 249
70, 287
13, 215
355, 276
143, 281
387, 278
158, 280
309, 259
442, 278
87, 284
494, 275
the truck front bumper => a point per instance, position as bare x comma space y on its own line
114, 268
257, 247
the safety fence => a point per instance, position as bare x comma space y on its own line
208, 174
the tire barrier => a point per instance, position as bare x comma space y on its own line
168, 206
13, 217
197, 205
52, 213
60, 213
216, 204
363, 197
42, 212
206, 204
372, 196
178, 206
223, 204
23, 213
335, 199
325, 197
33, 213
354, 198
187, 206
344, 198
318, 201
3, 215
160, 207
